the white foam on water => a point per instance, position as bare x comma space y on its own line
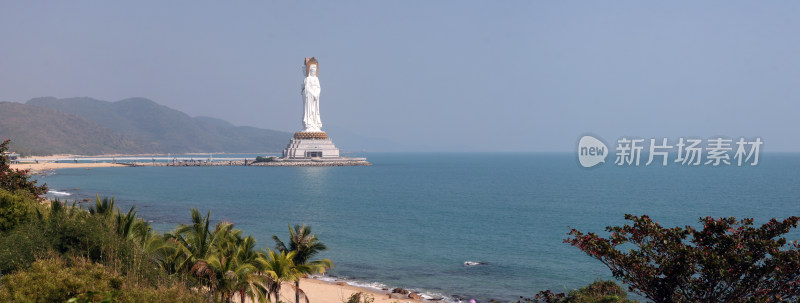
379, 287
368, 285
59, 193
473, 263
325, 278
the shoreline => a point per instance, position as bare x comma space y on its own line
38, 168
43, 167
321, 290
133, 155
318, 289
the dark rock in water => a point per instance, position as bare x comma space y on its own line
415, 296
399, 290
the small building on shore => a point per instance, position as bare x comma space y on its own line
12, 157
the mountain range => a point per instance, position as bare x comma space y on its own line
86, 126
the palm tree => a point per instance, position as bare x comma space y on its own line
195, 241
280, 268
243, 273
129, 227
162, 250
234, 267
192, 248
222, 260
104, 208
305, 245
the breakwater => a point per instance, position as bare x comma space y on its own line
339, 162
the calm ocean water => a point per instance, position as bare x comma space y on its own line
412, 220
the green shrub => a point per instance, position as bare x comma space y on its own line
16, 208
600, 291
264, 159
68, 231
20, 247
174, 293
52, 280
360, 297
56, 279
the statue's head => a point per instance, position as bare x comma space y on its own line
312, 67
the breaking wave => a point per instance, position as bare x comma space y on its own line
59, 193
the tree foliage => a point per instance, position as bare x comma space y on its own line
726, 261
305, 245
599, 291
360, 297
56, 282
16, 208
227, 264
220, 260
264, 159
86, 248
55, 279
15, 179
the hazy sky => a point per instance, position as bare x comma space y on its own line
435, 75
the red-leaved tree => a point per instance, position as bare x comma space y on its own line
727, 261
15, 179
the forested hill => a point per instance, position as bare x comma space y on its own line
88, 126
42, 131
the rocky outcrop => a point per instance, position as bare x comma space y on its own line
399, 290
402, 293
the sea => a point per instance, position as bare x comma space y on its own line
415, 220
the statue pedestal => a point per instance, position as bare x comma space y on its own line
310, 145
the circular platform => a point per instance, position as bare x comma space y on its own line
311, 135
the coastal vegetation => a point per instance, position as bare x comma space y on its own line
260, 159
360, 297
51, 252
15, 179
303, 246
68, 252
728, 260
59, 252
600, 291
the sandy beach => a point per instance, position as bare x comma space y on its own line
325, 292
41, 167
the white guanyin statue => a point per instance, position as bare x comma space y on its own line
311, 89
